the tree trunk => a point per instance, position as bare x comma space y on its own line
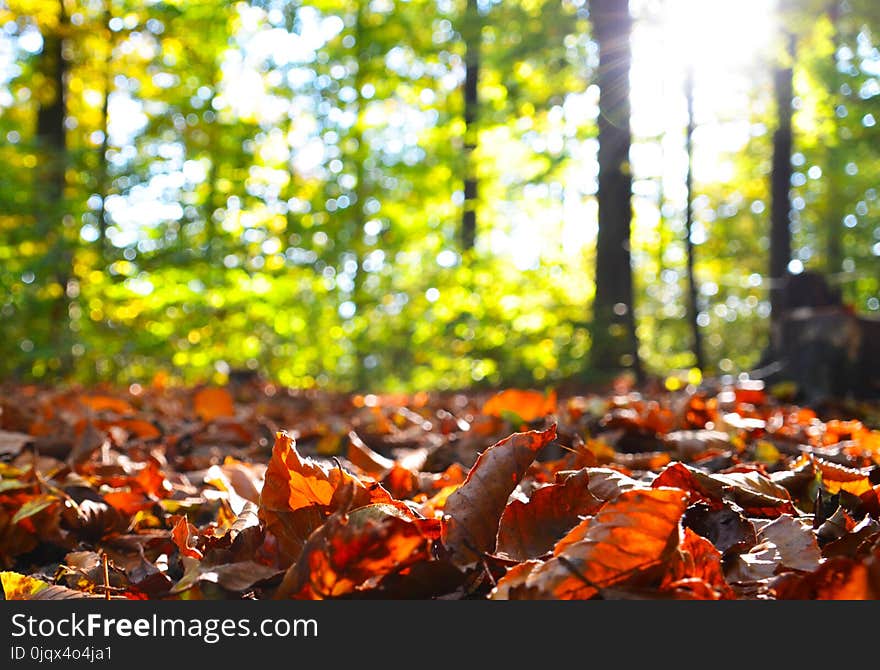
103, 167
780, 185
472, 39
615, 344
693, 308
834, 160
52, 142
356, 244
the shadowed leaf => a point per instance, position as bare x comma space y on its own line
528, 530
472, 512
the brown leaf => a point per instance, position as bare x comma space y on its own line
628, 541
367, 460
106, 403
530, 529
607, 484
783, 544
239, 576
797, 545
756, 494
724, 527
472, 512
11, 443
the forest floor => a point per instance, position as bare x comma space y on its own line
254, 491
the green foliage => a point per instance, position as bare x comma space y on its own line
277, 185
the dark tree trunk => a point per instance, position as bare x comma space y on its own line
471, 35
103, 167
615, 345
693, 308
780, 185
52, 141
834, 161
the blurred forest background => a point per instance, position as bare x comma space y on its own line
410, 194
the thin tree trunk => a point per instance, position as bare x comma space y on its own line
356, 244
615, 344
693, 308
103, 167
780, 185
52, 140
834, 161
472, 40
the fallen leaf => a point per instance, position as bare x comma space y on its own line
20, 587
185, 537
11, 443
472, 512
299, 494
607, 484
527, 406
530, 529
628, 541
724, 527
34, 506
756, 494
106, 403
213, 403
696, 569
797, 545
836, 579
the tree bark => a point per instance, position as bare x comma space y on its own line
472, 40
52, 142
693, 308
615, 344
103, 166
780, 185
834, 160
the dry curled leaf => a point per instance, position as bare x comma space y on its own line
472, 512
627, 542
530, 529
299, 494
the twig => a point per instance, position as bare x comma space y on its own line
106, 575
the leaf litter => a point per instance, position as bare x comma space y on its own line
256, 492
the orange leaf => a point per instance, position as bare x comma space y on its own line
100, 403
472, 512
185, 535
628, 541
527, 405
838, 477
213, 403
530, 529
299, 494
129, 502
836, 579
697, 569
352, 552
